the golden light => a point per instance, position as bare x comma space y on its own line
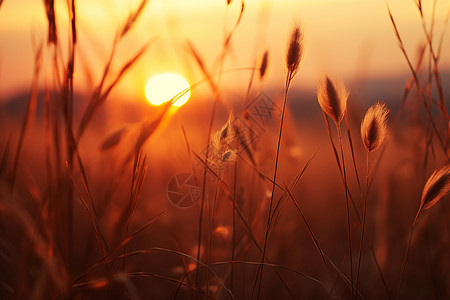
163, 87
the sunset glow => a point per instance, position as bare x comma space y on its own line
164, 87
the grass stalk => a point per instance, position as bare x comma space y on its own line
233, 242
405, 257
293, 59
349, 234
269, 217
366, 192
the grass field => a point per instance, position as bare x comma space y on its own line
265, 193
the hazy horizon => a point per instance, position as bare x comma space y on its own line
346, 39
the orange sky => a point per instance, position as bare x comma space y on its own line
343, 38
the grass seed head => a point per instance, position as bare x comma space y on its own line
223, 149
373, 126
333, 99
437, 186
295, 51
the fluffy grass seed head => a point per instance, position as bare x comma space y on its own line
295, 51
373, 126
437, 186
222, 148
333, 98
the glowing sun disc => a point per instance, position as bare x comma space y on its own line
163, 87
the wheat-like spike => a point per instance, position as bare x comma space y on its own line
437, 186
333, 98
373, 126
295, 51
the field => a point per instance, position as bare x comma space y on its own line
247, 191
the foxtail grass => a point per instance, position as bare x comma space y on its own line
293, 59
332, 99
373, 133
436, 187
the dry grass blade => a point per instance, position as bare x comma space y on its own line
292, 185
373, 126
333, 99
419, 6
113, 139
184, 255
72, 16
429, 37
109, 258
5, 160
240, 214
139, 172
335, 152
261, 174
149, 127
350, 142
180, 282
441, 39
437, 186
202, 66
209, 169
51, 265
275, 266
244, 144
136, 232
99, 97
230, 34
50, 11
311, 234
418, 86
132, 18
93, 219
102, 282
31, 108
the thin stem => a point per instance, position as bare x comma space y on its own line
269, 217
234, 223
406, 252
338, 127
358, 217
311, 234
211, 228
366, 192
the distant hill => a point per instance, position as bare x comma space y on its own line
302, 102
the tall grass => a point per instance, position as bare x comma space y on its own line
87, 216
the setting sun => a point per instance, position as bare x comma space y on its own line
163, 87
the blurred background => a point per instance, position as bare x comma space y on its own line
349, 39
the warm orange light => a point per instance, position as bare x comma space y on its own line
164, 87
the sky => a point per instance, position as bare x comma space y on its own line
346, 39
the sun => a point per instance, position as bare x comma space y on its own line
164, 87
